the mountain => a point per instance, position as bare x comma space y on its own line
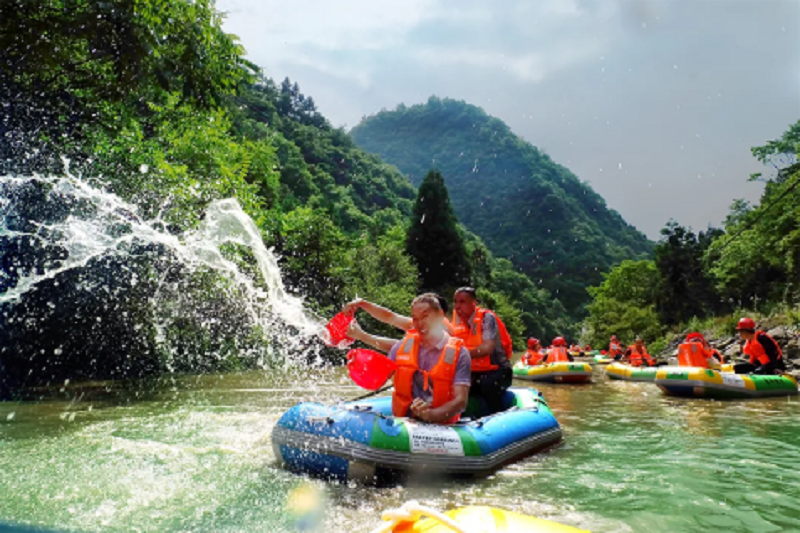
526, 207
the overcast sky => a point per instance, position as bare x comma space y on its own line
655, 103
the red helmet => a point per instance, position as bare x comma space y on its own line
532, 342
614, 338
695, 336
559, 341
746, 323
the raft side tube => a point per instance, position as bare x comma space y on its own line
360, 441
707, 383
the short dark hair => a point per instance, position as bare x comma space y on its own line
469, 290
430, 298
442, 303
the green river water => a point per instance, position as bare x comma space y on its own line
194, 454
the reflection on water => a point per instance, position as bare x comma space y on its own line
194, 453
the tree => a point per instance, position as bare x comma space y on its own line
624, 304
684, 291
69, 66
433, 239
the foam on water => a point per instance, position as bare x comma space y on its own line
92, 223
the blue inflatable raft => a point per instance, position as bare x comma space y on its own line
363, 441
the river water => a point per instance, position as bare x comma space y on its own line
194, 453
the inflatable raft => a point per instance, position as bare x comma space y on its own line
415, 518
602, 359
628, 372
705, 383
555, 372
363, 441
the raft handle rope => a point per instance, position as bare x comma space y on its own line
411, 511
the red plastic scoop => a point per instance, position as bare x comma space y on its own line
369, 369
334, 333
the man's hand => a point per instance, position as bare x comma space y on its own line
421, 409
352, 307
354, 331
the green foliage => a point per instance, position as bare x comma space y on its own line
542, 316
313, 255
75, 66
191, 161
508, 312
433, 238
624, 304
318, 164
684, 291
781, 153
381, 271
523, 205
762, 263
753, 264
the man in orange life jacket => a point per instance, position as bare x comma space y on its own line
710, 351
765, 354
637, 354
483, 335
535, 354
615, 349
433, 373
558, 352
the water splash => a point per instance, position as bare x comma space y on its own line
217, 282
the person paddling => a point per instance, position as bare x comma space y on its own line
535, 354
636, 354
558, 352
481, 330
615, 349
489, 347
432, 379
765, 354
711, 356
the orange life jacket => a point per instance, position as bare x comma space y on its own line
442, 375
757, 353
692, 354
638, 358
532, 357
614, 349
472, 338
557, 354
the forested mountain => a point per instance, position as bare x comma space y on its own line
525, 206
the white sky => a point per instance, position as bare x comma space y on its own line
655, 103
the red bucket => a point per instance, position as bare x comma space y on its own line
369, 369
334, 333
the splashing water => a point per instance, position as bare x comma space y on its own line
62, 230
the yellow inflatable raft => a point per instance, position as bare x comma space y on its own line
561, 372
474, 519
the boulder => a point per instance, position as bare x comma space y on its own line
732, 350
724, 343
779, 334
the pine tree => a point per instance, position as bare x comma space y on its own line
433, 239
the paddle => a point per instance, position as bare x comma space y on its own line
369, 370
370, 394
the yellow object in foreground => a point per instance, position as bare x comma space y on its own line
473, 519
